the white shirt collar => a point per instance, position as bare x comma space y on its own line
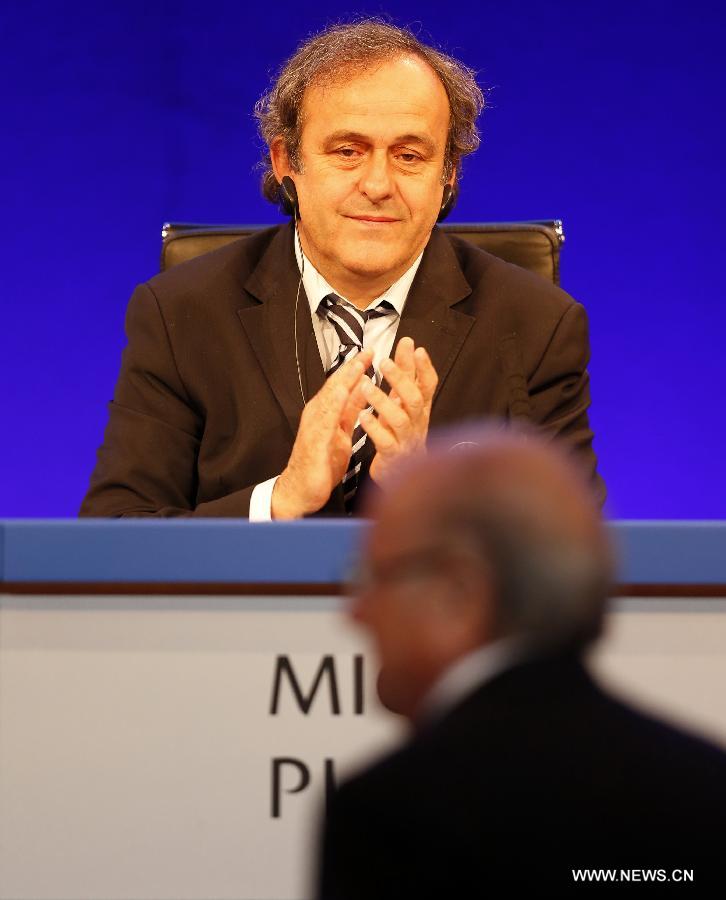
468, 673
316, 287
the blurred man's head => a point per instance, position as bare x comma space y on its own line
496, 538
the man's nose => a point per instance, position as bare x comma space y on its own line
376, 180
359, 606
355, 608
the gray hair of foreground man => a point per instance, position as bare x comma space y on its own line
520, 508
355, 47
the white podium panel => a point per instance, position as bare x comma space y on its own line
179, 747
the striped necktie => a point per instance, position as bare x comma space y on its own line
349, 323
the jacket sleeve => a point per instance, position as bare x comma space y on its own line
559, 391
147, 463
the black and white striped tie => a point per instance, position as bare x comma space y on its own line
349, 323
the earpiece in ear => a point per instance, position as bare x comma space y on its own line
288, 197
448, 201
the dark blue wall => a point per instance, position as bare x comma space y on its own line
120, 115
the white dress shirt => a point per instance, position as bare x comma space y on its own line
379, 333
469, 673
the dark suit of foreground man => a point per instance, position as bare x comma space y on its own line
368, 128
483, 582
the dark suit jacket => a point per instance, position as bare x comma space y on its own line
535, 773
208, 401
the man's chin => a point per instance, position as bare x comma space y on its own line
392, 693
372, 265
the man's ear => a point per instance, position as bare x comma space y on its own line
461, 620
279, 158
449, 196
473, 603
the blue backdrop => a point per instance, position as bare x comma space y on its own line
120, 115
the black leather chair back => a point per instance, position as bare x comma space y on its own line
532, 245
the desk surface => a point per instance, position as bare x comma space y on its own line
677, 556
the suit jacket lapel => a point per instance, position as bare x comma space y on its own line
427, 316
288, 355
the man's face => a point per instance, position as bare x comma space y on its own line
392, 608
417, 603
372, 157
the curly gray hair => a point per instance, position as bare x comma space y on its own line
355, 46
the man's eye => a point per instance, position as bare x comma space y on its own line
409, 157
347, 152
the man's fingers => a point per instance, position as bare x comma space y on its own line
327, 412
356, 402
329, 403
350, 372
350, 414
394, 416
358, 395
406, 389
426, 375
404, 357
381, 436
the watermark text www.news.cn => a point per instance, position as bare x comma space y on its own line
636, 875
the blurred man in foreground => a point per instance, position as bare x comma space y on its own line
484, 580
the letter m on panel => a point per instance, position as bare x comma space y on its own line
284, 671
